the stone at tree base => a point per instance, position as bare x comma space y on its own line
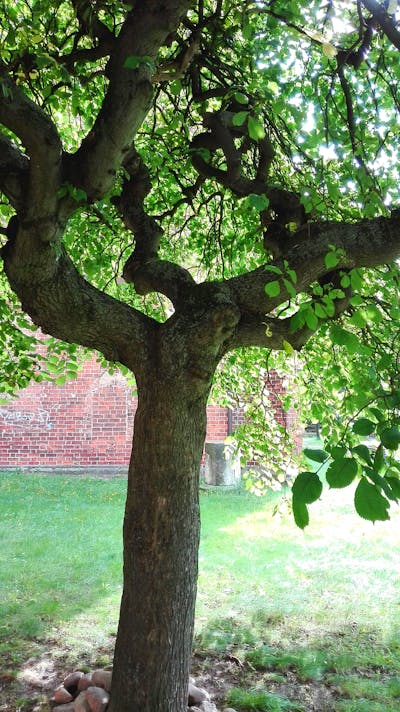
81, 704
97, 699
70, 707
196, 695
85, 682
71, 681
207, 706
102, 678
62, 696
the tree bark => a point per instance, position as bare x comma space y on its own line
161, 537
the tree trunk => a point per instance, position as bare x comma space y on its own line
161, 537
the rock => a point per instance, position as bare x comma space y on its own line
196, 695
207, 706
97, 699
61, 695
229, 709
81, 704
102, 678
71, 681
64, 708
85, 681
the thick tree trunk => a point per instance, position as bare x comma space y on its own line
161, 537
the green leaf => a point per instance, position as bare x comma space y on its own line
273, 288
320, 311
329, 305
255, 129
297, 321
241, 98
394, 484
390, 438
345, 338
289, 287
288, 348
331, 260
338, 452
239, 118
259, 202
363, 426
291, 274
356, 280
315, 455
363, 453
273, 269
311, 319
341, 473
379, 459
307, 487
300, 513
369, 502
133, 62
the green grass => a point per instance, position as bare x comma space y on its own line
260, 701
299, 610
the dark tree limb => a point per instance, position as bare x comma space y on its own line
66, 306
14, 173
128, 97
43, 146
384, 20
367, 243
143, 268
275, 333
267, 332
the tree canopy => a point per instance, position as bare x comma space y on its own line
265, 155
187, 185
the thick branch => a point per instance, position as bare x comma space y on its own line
254, 330
365, 244
128, 97
384, 20
275, 333
143, 268
14, 173
65, 305
42, 143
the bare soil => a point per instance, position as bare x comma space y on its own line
29, 686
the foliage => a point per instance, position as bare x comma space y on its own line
317, 86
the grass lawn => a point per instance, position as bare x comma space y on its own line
285, 620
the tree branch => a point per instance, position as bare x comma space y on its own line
143, 268
367, 243
14, 173
384, 20
128, 98
267, 332
42, 143
276, 333
66, 306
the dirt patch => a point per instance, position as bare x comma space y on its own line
30, 687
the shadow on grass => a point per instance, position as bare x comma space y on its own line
61, 550
343, 669
61, 553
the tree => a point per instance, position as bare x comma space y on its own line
239, 159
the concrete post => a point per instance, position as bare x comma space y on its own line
222, 466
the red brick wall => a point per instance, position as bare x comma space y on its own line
88, 421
